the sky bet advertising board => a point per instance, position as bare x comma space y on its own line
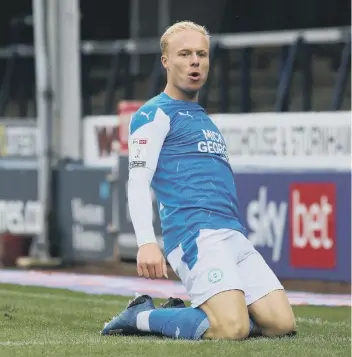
300, 222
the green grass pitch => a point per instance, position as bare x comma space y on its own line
52, 322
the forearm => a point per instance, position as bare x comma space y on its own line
141, 206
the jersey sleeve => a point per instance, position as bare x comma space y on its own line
148, 130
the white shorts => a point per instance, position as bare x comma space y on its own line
224, 260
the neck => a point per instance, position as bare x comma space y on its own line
177, 94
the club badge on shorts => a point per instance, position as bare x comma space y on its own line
215, 275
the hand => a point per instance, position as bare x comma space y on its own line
151, 262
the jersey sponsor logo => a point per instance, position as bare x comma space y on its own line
139, 141
213, 144
312, 225
134, 164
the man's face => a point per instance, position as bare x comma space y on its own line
187, 61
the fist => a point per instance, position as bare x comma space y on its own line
151, 262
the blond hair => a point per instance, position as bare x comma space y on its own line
178, 27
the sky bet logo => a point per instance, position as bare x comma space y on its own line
266, 220
214, 144
312, 225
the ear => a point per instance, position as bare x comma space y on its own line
164, 61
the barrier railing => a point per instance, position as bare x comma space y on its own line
282, 97
119, 74
341, 81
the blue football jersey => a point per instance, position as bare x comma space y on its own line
193, 181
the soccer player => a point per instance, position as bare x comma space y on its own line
175, 148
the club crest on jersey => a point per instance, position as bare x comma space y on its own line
213, 144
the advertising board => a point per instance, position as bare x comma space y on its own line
300, 222
287, 141
18, 139
255, 141
82, 211
84, 214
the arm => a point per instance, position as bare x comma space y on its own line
140, 205
146, 139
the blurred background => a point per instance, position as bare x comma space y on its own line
245, 72
71, 74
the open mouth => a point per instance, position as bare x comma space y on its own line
194, 76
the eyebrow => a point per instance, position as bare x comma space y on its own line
189, 50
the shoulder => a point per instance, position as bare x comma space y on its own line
152, 111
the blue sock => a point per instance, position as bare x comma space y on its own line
187, 323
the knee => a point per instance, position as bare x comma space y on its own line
290, 325
231, 329
285, 326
